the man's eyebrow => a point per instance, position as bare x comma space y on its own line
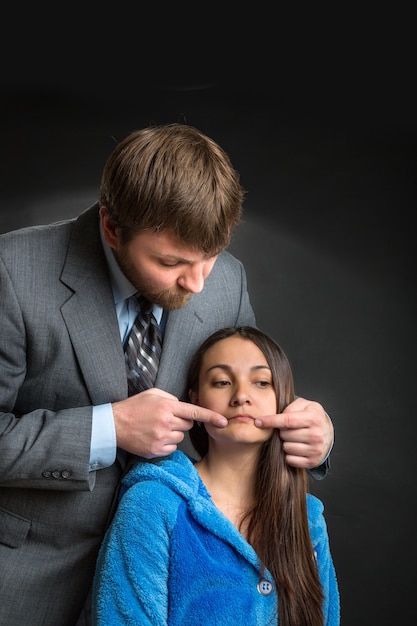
171, 257
174, 257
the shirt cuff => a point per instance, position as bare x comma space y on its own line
103, 438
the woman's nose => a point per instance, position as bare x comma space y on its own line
240, 396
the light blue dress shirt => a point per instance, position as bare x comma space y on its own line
103, 432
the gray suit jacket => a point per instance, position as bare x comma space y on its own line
60, 354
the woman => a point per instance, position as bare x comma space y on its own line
233, 537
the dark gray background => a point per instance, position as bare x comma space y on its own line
324, 138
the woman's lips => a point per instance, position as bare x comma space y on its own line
241, 418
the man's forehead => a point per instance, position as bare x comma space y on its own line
166, 244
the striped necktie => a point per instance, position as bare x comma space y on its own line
143, 349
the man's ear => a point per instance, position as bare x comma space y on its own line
193, 395
109, 228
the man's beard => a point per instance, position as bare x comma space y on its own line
169, 299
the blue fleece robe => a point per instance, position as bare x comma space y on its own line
170, 557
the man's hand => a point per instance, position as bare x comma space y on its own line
306, 432
152, 423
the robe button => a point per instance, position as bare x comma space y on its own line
265, 587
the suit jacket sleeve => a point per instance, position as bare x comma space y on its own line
60, 353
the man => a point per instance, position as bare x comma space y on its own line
169, 200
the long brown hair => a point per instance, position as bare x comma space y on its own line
278, 524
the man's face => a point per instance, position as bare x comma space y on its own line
159, 265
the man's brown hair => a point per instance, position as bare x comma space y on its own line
173, 177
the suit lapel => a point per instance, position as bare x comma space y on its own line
90, 314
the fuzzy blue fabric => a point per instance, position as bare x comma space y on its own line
170, 557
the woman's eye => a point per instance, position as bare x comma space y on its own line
263, 383
220, 383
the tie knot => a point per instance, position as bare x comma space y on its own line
145, 306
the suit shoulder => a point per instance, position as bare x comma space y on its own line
33, 234
227, 258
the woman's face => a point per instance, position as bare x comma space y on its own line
236, 381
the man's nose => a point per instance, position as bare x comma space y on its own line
193, 278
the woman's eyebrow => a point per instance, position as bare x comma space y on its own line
229, 368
